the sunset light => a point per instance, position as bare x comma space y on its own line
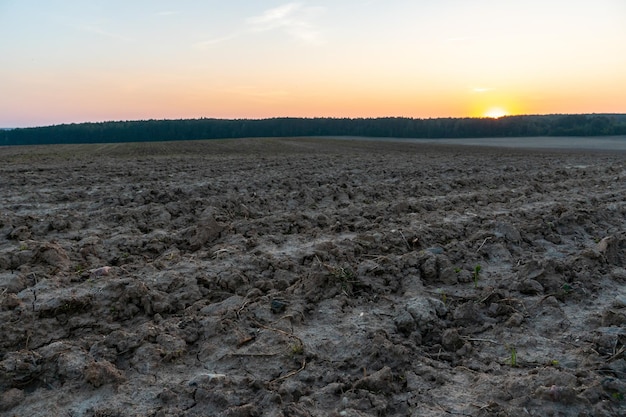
73, 61
495, 112
312, 207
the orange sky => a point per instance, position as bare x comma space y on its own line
116, 60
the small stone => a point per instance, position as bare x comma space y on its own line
557, 393
609, 247
206, 379
278, 306
98, 272
435, 250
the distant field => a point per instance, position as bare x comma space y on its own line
260, 146
608, 143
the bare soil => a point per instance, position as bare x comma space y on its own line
308, 277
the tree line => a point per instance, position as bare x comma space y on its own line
396, 127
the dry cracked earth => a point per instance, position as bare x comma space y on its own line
311, 277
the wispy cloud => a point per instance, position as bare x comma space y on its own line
213, 41
482, 89
97, 30
295, 19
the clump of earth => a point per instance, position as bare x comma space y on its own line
311, 277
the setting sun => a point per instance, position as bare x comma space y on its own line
496, 112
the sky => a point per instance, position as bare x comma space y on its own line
86, 60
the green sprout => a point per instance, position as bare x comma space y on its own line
297, 349
346, 277
513, 357
567, 288
477, 269
444, 296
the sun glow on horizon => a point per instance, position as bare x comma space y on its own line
496, 112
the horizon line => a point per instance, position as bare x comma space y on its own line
313, 118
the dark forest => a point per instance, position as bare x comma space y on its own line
390, 127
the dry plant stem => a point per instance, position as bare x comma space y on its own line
273, 329
472, 339
288, 317
487, 297
454, 413
483, 244
243, 306
377, 257
405, 241
291, 373
245, 341
617, 354
514, 300
253, 354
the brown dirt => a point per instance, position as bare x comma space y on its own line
304, 277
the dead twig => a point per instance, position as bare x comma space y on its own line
245, 341
252, 354
617, 354
290, 374
301, 343
483, 244
290, 318
245, 302
404, 238
376, 257
454, 413
473, 339
273, 329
